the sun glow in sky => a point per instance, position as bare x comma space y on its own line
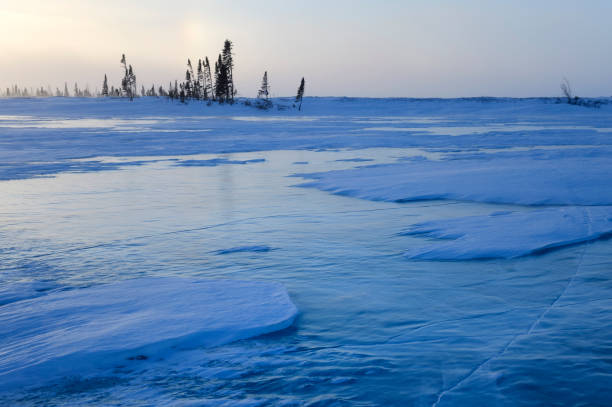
413, 48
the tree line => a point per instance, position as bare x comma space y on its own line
16, 91
205, 83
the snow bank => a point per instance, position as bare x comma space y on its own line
83, 329
520, 179
511, 234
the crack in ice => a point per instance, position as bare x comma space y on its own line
517, 336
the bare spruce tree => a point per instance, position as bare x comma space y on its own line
300, 94
566, 88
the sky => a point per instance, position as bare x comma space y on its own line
383, 48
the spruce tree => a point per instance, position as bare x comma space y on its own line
199, 86
66, 93
228, 68
125, 84
105, 86
300, 94
264, 91
208, 81
188, 82
182, 93
221, 85
190, 78
132, 82
128, 83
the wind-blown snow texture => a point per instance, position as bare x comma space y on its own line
562, 178
60, 332
514, 234
509, 178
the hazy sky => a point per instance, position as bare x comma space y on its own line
413, 48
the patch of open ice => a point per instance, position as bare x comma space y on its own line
511, 234
216, 161
74, 331
354, 160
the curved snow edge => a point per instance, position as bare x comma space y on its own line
91, 329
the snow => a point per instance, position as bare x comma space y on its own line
520, 178
130, 320
184, 196
576, 178
511, 234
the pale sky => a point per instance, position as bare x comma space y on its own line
411, 48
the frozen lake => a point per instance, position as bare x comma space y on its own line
375, 326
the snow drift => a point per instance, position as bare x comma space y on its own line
511, 234
522, 179
82, 329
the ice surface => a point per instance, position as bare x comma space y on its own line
11, 292
242, 249
355, 160
216, 161
72, 330
39, 136
511, 234
377, 329
522, 179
